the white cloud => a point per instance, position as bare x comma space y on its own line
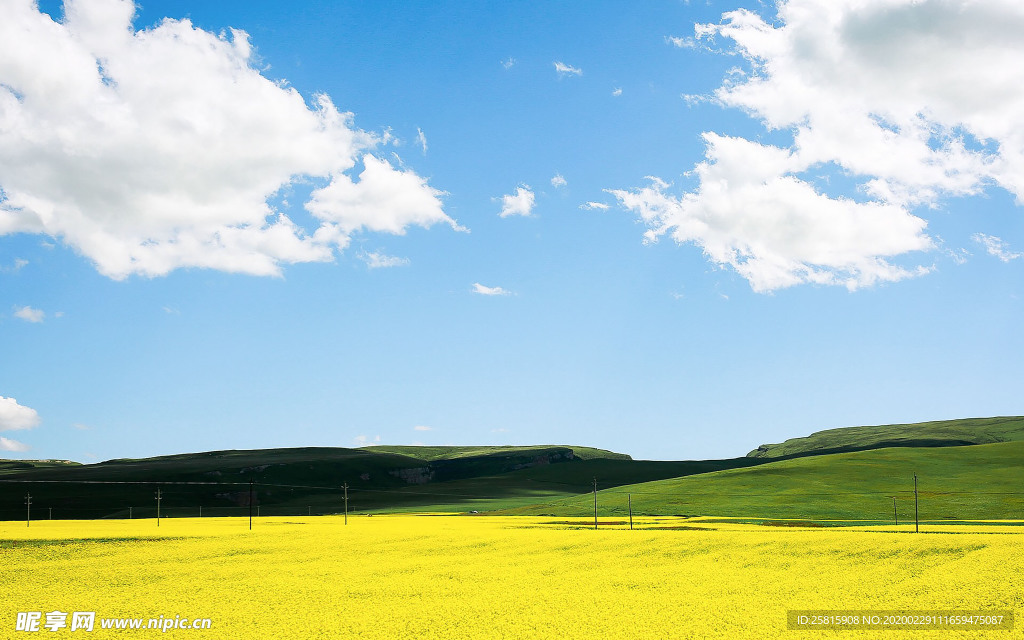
421, 427
383, 199
895, 91
775, 229
382, 261
996, 247
558, 181
681, 42
153, 150
6, 444
19, 264
589, 206
519, 203
28, 314
915, 101
81, 427
617, 92
421, 139
509, 62
365, 441
14, 416
959, 256
564, 70
489, 291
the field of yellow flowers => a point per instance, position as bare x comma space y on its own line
436, 576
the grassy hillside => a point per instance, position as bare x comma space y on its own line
538, 484
21, 465
215, 480
944, 433
289, 481
796, 479
970, 482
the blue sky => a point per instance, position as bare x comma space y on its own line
676, 230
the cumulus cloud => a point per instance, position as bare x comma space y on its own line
775, 229
915, 101
375, 260
617, 92
563, 70
519, 203
152, 150
489, 291
365, 441
421, 427
28, 314
558, 181
6, 444
591, 205
995, 246
14, 416
509, 62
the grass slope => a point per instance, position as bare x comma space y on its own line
379, 479
22, 465
942, 433
955, 483
538, 484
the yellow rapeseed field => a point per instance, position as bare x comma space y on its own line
436, 576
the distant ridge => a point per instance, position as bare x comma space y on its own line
942, 433
429, 453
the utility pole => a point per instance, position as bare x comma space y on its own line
250, 504
159, 497
129, 513
28, 509
200, 511
629, 501
309, 510
595, 504
916, 524
346, 502
895, 515
51, 512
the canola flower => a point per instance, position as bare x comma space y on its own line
437, 576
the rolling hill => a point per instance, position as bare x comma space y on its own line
945, 433
309, 480
955, 483
967, 469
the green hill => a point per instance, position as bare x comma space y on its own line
847, 474
301, 480
944, 433
955, 483
21, 465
